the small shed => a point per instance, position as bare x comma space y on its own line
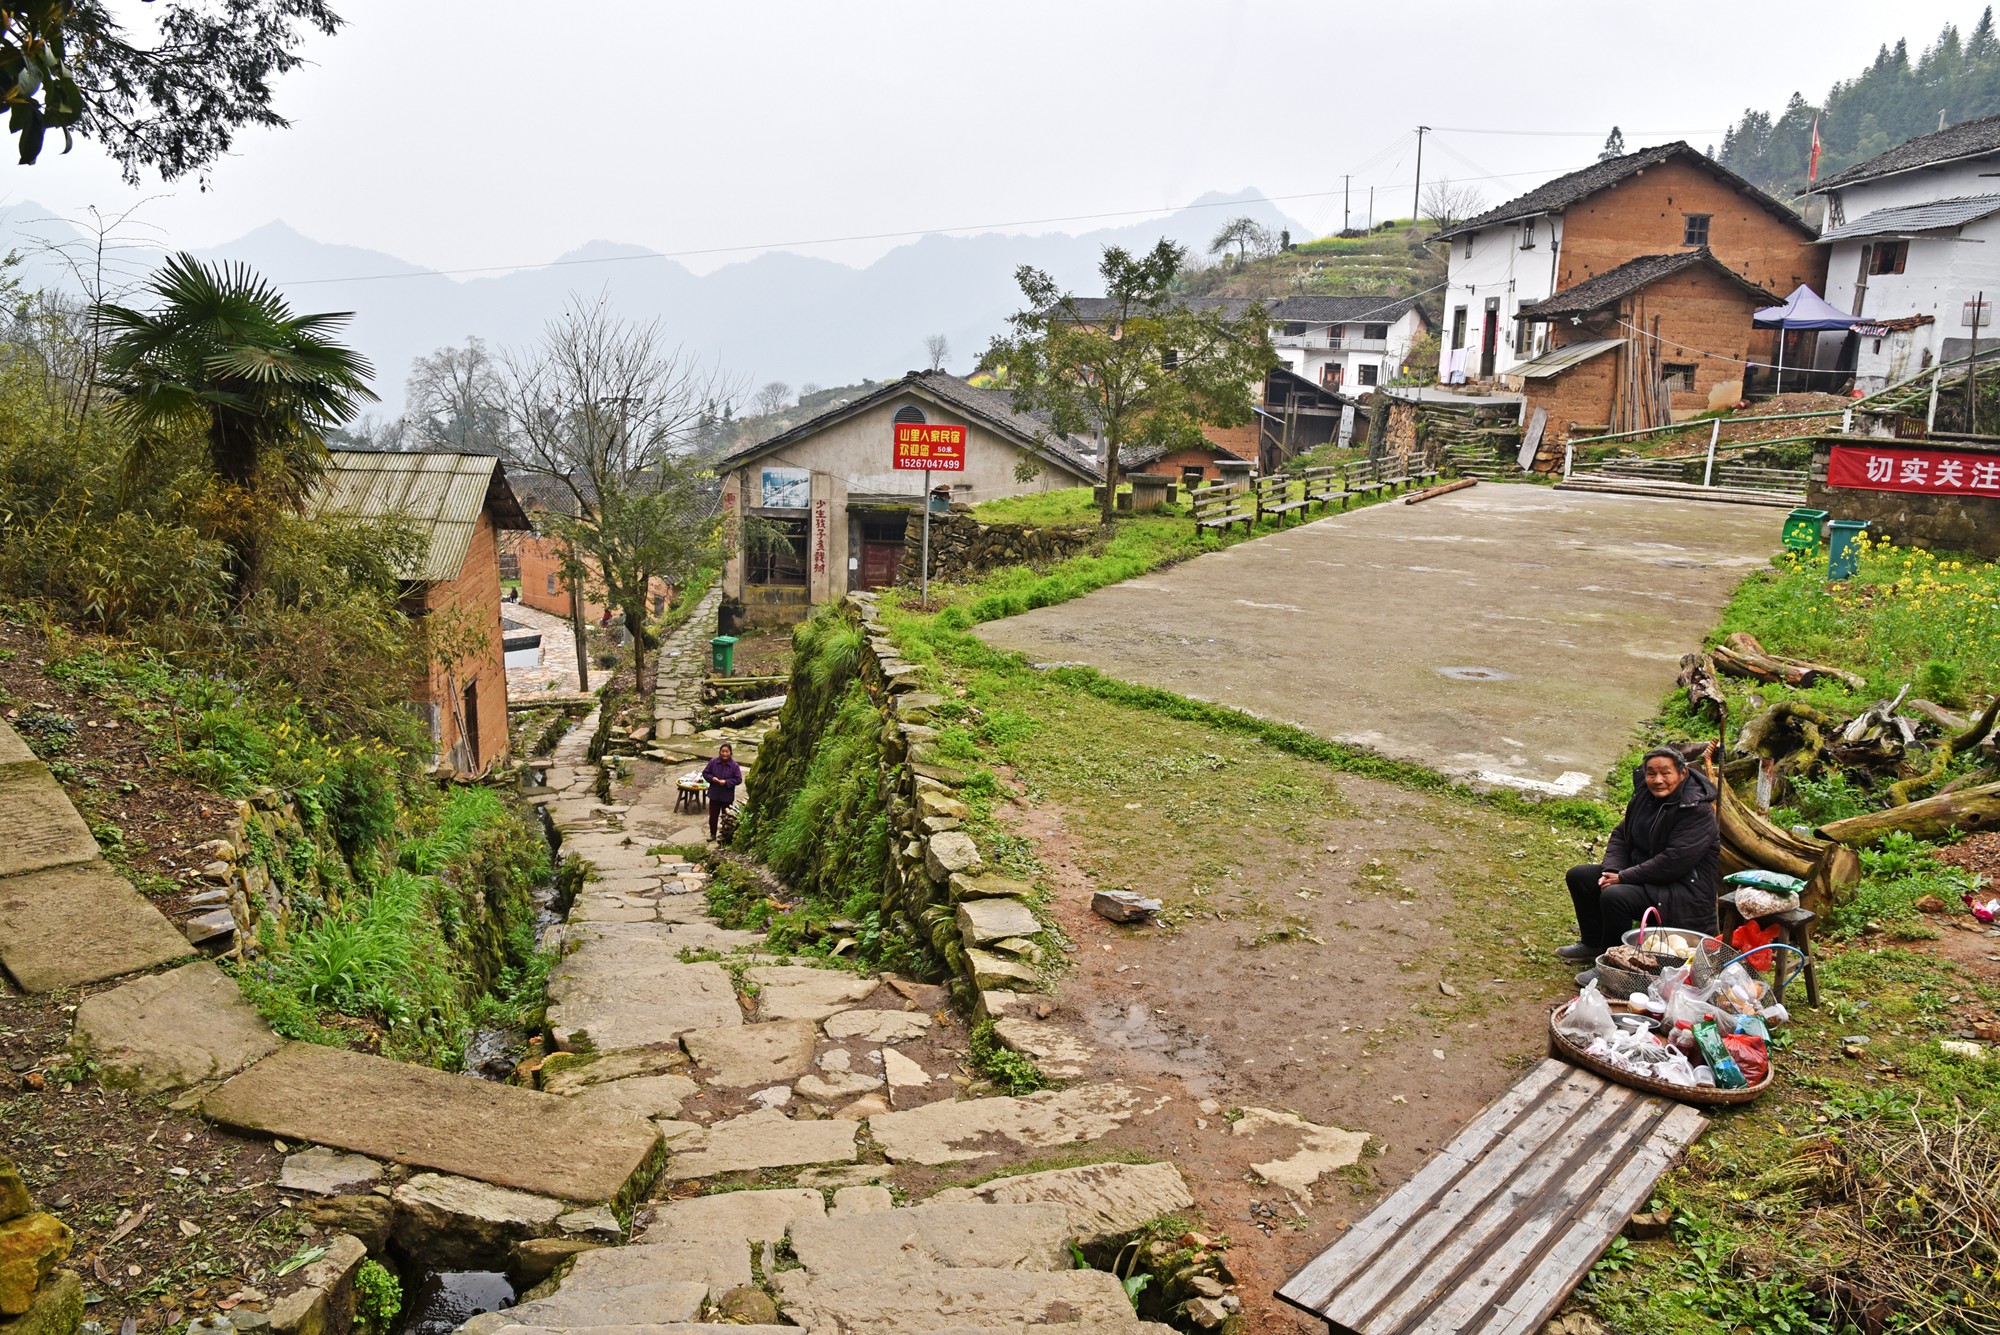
460, 503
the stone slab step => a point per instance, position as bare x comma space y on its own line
65, 926
973, 1128
172, 1030
1681, 491
1105, 1201
43, 829
456, 1124
956, 1234
634, 994
923, 1301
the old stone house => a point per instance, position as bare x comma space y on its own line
821, 508
1657, 338
459, 504
1658, 201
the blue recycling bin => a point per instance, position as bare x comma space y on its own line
1843, 549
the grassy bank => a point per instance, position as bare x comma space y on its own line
1835, 1194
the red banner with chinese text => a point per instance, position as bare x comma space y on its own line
1930, 472
931, 447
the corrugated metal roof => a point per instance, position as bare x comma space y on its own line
1557, 360
1935, 216
442, 494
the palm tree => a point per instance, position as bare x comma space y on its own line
224, 357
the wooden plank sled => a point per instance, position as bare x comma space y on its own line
1492, 1234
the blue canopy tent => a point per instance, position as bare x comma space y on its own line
1804, 310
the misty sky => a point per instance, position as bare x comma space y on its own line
469, 133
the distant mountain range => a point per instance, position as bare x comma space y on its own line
779, 316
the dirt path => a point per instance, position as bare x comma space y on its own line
1309, 978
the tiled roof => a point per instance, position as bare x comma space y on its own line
1936, 216
440, 492
1557, 195
1614, 285
991, 408
1967, 139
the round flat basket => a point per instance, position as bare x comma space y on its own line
1571, 1052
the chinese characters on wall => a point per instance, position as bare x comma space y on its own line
819, 537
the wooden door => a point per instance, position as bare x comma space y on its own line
1489, 339
882, 538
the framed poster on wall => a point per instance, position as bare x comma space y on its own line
785, 488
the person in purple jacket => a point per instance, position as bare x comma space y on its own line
723, 774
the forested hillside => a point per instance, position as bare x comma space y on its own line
1894, 99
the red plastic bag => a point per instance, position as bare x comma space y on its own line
1751, 935
1752, 1057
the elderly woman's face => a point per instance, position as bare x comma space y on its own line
1662, 776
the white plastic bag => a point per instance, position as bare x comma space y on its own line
1589, 1017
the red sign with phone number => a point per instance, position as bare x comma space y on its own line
930, 447
1931, 472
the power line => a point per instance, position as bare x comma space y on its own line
1561, 134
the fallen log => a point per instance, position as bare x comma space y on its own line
1429, 492
1764, 734
734, 714
1697, 678
1964, 811
1752, 842
1940, 717
1742, 655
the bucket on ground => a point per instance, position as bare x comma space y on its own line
1802, 529
1843, 551
722, 654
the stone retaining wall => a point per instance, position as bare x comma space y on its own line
974, 923
961, 546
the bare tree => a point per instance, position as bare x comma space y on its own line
810, 388
107, 257
772, 398
610, 411
1448, 205
1246, 235
938, 349
455, 399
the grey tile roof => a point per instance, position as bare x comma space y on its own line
1935, 216
1557, 195
991, 407
1967, 139
1614, 285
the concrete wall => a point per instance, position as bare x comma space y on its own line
1940, 274
849, 461
1940, 523
476, 594
1495, 264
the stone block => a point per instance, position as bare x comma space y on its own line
991, 971
31, 1247
744, 1216
950, 854
974, 1128
753, 1055
1106, 1201
14, 1198
65, 926
43, 829
953, 1234
171, 1030
459, 1224
324, 1172
878, 1026
935, 802
758, 1140
984, 920
323, 1304
57, 1308
1058, 1054
368, 1217
535, 1259
988, 886
795, 992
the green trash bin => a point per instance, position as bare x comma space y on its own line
722, 654
1802, 527
1843, 550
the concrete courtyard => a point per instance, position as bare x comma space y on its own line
1505, 634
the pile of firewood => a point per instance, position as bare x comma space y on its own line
1900, 748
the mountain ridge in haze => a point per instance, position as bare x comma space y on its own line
777, 315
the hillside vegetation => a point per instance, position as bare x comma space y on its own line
1893, 100
1390, 261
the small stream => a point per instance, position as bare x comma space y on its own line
437, 1302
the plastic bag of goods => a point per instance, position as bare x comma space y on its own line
1589, 1017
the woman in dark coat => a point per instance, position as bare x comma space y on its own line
723, 774
1665, 854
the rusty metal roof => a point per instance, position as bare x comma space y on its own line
440, 492
1557, 360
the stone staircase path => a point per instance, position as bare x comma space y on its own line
66, 918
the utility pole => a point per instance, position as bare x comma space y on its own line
1346, 215
1371, 208
1416, 192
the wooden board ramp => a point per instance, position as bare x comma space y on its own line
1492, 1234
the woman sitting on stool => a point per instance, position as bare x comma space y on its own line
1665, 854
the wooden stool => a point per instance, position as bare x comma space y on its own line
690, 799
1794, 929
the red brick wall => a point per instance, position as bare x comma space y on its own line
541, 558
477, 592
1645, 215
1170, 465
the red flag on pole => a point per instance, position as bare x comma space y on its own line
1812, 170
